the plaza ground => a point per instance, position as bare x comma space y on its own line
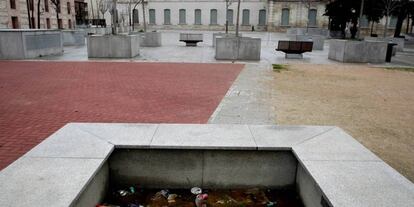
374, 105
38, 98
173, 50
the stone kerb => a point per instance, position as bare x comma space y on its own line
357, 51
113, 46
238, 48
26, 44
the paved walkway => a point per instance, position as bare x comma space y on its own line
250, 100
37, 98
174, 51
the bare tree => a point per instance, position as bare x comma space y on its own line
389, 6
103, 7
237, 20
56, 4
93, 16
114, 15
135, 6
228, 3
28, 13
38, 14
307, 4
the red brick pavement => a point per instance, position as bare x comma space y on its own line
37, 98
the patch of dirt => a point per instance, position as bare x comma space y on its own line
374, 105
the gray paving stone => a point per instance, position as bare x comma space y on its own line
45, 181
361, 184
123, 135
71, 141
206, 136
249, 99
273, 137
333, 145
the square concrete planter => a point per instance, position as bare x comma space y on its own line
73, 37
149, 39
238, 48
308, 31
318, 40
399, 41
30, 43
113, 46
76, 164
99, 30
220, 34
350, 51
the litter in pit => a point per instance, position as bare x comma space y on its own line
252, 197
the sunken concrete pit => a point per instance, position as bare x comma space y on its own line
76, 164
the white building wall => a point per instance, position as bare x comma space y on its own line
190, 6
298, 14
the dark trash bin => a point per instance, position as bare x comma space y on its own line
389, 51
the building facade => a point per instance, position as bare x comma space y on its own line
258, 15
15, 14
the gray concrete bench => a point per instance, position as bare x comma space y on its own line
295, 49
191, 39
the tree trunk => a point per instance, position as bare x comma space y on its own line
408, 25
28, 13
237, 21
93, 16
412, 24
143, 16
227, 16
57, 15
361, 12
385, 26
372, 27
129, 13
97, 8
38, 14
401, 16
32, 17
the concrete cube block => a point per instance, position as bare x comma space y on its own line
357, 51
149, 39
238, 48
308, 31
26, 44
73, 37
399, 41
113, 46
220, 34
